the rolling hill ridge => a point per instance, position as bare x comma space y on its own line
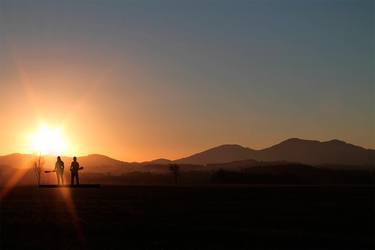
311, 152
292, 150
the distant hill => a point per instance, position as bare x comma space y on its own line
294, 161
335, 153
92, 163
220, 154
158, 161
292, 150
318, 153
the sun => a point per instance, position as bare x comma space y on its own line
48, 141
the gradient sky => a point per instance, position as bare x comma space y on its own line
138, 80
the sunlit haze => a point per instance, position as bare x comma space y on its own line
140, 80
48, 141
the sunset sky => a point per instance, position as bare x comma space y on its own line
138, 80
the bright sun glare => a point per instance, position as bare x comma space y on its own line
48, 141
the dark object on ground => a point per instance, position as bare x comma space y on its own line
175, 170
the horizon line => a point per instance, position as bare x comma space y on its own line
162, 158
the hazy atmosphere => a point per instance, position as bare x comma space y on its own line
187, 124
139, 80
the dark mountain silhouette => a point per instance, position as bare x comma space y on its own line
220, 154
241, 165
335, 153
92, 163
291, 150
318, 153
161, 161
100, 163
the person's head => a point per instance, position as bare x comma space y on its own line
58, 158
74, 158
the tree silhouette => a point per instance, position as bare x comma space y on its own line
175, 169
38, 168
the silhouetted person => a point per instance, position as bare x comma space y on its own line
59, 168
74, 168
175, 169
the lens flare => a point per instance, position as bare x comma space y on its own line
48, 141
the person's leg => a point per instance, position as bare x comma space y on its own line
72, 178
62, 178
58, 178
77, 178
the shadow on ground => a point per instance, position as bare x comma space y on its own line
211, 217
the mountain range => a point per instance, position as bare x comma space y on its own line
292, 150
310, 152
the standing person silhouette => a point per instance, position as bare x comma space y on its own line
59, 168
74, 167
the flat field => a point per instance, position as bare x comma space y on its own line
189, 217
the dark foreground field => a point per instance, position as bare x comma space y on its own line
121, 217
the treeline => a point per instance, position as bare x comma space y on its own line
294, 174
150, 178
288, 174
316, 177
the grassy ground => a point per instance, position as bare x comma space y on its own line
214, 217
